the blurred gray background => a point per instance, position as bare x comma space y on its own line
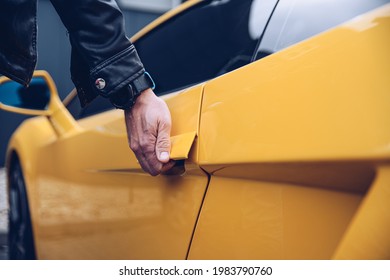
54, 49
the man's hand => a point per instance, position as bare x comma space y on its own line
148, 125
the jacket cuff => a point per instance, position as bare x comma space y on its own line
16, 67
116, 72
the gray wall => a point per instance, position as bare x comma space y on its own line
54, 57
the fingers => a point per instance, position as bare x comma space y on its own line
148, 126
143, 145
167, 166
147, 159
163, 144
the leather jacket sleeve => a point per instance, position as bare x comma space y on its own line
17, 39
100, 49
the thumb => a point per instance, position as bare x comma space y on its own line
163, 144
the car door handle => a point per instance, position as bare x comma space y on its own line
181, 145
180, 149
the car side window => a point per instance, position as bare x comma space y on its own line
297, 20
98, 105
209, 39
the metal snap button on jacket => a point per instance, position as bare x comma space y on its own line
100, 83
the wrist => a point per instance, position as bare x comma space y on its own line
145, 96
126, 97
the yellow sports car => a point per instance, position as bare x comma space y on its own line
281, 136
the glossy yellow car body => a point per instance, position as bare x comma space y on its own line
294, 165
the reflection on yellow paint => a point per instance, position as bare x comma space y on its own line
247, 219
83, 203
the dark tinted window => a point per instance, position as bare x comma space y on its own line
296, 20
208, 40
98, 105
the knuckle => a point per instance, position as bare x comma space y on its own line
163, 143
155, 166
143, 143
146, 146
134, 146
147, 130
165, 124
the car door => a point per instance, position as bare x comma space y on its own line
94, 199
297, 143
95, 202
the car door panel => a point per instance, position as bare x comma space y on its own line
250, 219
96, 202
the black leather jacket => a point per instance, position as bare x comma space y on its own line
100, 48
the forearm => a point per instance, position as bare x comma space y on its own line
97, 34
